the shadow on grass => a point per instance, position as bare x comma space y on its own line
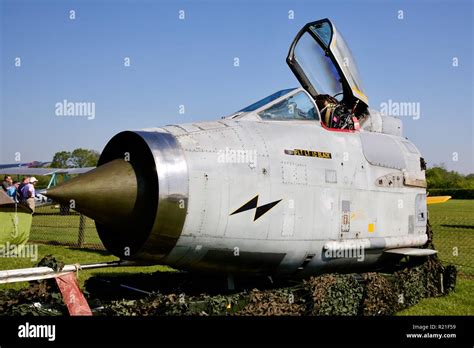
88, 247
470, 227
91, 250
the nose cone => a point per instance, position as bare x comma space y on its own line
140, 205
107, 194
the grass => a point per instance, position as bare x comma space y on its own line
49, 225
459, 302
452, 222
453, 226
453, 237
71, 255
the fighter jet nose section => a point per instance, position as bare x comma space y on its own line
137, 195
107, 194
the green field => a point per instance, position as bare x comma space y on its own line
57, 235
453, 237
453, 226
71, 255
49, 225
460, 302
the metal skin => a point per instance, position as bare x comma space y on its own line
257, 196
129, 199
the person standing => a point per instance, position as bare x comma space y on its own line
24, 181
28, 193
7, 182
13, 191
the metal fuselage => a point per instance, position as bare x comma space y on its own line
333, 209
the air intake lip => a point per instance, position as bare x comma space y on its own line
162, 196
126, 240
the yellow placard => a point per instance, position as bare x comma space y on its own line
371, 228
311, 153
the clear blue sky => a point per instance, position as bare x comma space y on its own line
190, 62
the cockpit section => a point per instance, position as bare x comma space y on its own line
297, 105
326, 69
332, 89
293, 104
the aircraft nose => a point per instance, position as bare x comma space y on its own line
106, 194
138, 194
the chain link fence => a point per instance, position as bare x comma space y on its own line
452, 224
453, 238
55, 226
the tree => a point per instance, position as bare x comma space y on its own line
439, 177
79, 158
61, 160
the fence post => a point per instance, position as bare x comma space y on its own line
81, 235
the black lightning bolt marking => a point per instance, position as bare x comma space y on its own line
252, 204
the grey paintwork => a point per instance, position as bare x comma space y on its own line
361, 179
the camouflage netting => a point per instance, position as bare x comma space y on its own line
335, 294
379, 296
274, 302
40, 298
330, 294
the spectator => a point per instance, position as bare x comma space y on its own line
28, 193
13, 191
24, 181
7, 182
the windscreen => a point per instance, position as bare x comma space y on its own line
266, 100
317, 66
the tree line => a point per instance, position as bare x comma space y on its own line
439, 177
79, 158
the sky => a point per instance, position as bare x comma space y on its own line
407, 52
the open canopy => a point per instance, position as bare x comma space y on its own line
323, 63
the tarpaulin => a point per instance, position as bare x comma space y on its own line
72, 295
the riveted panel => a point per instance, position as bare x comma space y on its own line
294, 173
